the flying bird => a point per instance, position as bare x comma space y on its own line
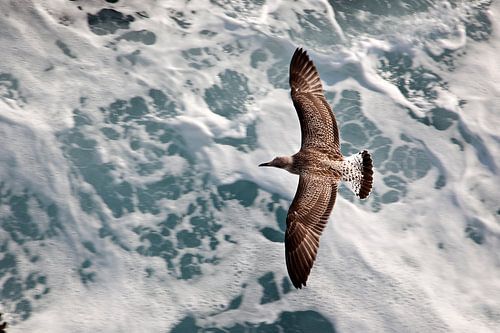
320, 165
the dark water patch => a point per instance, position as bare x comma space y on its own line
270, 288
229, 99
169, 187
145, 37
65, 49
180, 18
228, 238
273, 235
305, 321
171, 221
110, 133
442, 118
206, 226
208, 33
116, 195
89, 246
35, 259
286, 286
86, 202
123, 111
80, 118
20, 224
163, 104
281, 215
235, 302
86, 276
8, 263
15, 289
187, 239
149, 272
244, 191
440, 182
482, 152
12, 289
288, 321
108, 21
186, 325
478, 25
391, 196
156, 245
475, 230
34, 279
24, 309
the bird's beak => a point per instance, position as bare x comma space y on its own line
265, 164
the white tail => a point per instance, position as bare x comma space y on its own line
358, 171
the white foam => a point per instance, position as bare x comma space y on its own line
375, 272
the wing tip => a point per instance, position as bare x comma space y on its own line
304, 76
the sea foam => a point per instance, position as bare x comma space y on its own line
131, 200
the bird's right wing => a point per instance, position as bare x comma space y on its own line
306, 219
317, 121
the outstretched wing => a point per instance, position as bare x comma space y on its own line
317, 121
307, 217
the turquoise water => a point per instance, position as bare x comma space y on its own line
130, 198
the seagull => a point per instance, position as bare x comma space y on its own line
320, 166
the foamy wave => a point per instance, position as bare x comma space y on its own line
130, 198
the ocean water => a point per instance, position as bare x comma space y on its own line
131, 131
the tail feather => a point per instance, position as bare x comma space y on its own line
358, 170
367, 180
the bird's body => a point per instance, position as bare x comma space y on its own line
320, 165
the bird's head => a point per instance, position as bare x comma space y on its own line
282, 162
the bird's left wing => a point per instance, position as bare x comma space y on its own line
317, 121
306, 219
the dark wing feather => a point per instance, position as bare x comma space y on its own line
307, 217
317, 121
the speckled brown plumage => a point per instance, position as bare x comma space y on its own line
320, 165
